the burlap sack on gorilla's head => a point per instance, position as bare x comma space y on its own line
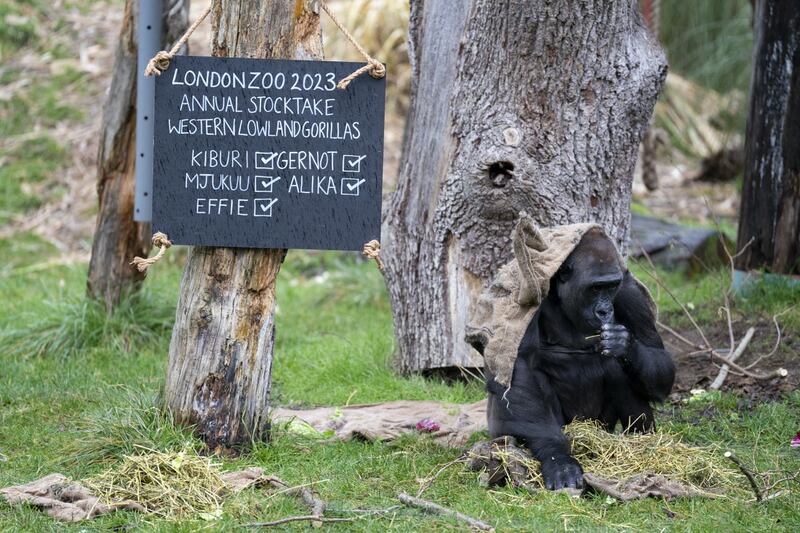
506, 307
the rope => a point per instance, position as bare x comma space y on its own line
160, 62
160, 240
373, 66
373, 251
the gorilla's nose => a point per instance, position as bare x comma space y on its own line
604, 314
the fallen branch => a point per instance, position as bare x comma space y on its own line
315, 505
748, 474
700, 348
723, 372
311, 518
771, 486
434, 508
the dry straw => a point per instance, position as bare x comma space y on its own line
620, 457
170, 485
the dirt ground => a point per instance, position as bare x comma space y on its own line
697, 371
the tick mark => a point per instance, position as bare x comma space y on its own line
355, 185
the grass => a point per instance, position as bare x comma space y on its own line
87, 397
703, 296
38, 75
710, 42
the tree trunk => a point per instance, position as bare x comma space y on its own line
117, 238
535, 105
769, 224
220, 357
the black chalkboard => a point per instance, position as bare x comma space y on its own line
258, 153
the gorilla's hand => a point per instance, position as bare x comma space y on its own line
614, 340
562, 471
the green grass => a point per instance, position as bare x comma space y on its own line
40, 103
17, 28
76, 397
703, 295
709, 41
35, 97
33, 161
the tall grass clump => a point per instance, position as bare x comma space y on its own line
711, 44
68, 325
129, 421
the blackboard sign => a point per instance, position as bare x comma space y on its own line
267, 154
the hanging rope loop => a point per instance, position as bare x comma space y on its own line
372, 250
161, 241
160, 62
375, 68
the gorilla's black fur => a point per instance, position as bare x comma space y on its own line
591, 351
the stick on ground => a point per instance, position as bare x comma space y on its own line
315, 505
434, 508
747, 473
311, 518
723, 372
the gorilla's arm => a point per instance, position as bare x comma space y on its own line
529, 410
648, 364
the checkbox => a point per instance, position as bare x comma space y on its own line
352, 163
265, 160
264, 183
262, 207
351, 186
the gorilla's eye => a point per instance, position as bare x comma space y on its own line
597, 288
564, 272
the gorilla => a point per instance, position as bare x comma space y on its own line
591, 351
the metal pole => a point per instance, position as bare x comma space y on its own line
149, 30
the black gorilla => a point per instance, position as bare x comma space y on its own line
591, 351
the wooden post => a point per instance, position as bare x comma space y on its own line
117, 238
769, 223
537, 106
220, 356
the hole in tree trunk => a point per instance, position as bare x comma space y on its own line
500, 173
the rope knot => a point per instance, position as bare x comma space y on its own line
162, 242
377, 70
372, 250
158, 64
373, 66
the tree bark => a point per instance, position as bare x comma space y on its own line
769, 223
220, 356
535, 105
117, 237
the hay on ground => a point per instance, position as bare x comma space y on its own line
623, 456
170, 485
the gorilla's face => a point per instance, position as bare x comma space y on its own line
588, 281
